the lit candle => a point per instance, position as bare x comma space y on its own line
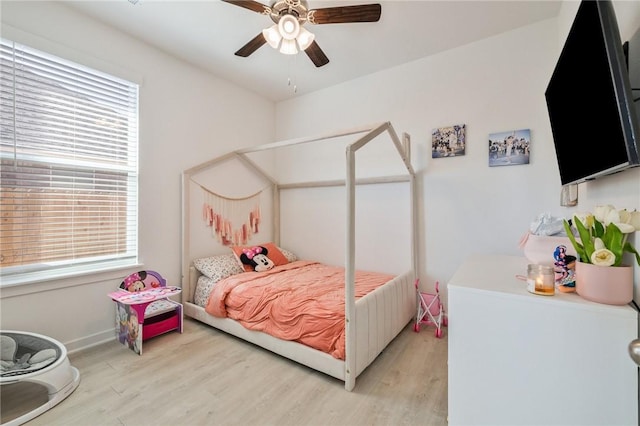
541, 279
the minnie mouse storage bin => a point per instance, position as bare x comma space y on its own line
144, 310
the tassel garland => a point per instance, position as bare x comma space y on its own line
221, 212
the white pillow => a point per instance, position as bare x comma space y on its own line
218, 267
203, 290
289, 255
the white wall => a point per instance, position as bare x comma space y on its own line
189, 116
493, 85
186, 116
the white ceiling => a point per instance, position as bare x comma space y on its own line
206, 33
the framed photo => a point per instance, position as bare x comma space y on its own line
510, 148
448, 141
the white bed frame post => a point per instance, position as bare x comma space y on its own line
349, 285
350, 184
406, 149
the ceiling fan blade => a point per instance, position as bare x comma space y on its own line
251, 5
345, 14
252, 46
316, 55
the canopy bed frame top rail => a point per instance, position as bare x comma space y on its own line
350, 181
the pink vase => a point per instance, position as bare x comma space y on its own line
612, 285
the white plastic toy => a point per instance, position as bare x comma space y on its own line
31, 357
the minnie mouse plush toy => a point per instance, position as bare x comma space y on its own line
257, 258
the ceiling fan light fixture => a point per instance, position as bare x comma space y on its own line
289, 27
290, 15
288, 47
305, 38
272, 35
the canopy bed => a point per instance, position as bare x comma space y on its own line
370, 316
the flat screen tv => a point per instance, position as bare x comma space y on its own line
589, 99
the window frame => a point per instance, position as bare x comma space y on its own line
20, 276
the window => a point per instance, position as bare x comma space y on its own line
69, 166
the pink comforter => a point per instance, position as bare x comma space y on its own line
301, 301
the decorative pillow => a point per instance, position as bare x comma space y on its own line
218, 267
259, 257
289, 255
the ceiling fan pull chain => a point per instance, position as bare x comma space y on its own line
294, 59
295, 86
292, 80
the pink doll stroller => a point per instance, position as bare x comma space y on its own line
430, 310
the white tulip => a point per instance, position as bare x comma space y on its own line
601, 212
629, 221
613, 216
585, 218
625, 222
632, 218
598, 244
603, 257
625, 228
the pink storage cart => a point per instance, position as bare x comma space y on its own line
430, 310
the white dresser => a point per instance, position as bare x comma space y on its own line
517, 358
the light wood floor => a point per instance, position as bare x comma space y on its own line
207, 377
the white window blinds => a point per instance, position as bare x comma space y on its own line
69, 164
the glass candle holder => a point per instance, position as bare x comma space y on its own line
541, 280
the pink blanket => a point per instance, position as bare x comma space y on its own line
301, 301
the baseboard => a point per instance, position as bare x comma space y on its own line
90, 341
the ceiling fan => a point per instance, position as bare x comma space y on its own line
289, 16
